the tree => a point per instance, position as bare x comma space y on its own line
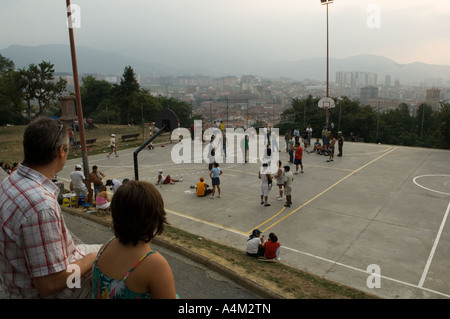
95, 96
127, 95
11, 97
424, 123
441, 134
38, 86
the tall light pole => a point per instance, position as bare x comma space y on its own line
78, 101
327, 2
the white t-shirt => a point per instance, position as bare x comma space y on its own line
116, 185
211, 147
77, 178
288, 177
253, 245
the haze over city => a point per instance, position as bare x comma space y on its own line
233, 34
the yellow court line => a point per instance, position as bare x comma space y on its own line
323, 192
249, 232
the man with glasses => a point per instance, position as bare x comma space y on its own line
38, 256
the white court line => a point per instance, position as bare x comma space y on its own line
429, 189
314, 256
436, 241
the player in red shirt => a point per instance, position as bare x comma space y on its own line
298, 157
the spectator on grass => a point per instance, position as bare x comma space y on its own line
272, 248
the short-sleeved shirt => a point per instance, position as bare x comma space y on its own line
34, 240
215, 172
77, 178
253, 245
271, 248
299, 153
288, 178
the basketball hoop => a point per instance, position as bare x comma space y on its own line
326, 103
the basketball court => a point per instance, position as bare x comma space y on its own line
374, 219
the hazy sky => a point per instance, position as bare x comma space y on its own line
196, 32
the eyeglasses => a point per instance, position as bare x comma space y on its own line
61, 126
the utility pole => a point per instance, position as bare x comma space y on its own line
78, 102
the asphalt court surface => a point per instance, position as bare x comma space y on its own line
374, 219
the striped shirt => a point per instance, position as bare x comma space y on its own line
34, 240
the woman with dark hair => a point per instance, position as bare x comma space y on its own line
126, 266
272, 248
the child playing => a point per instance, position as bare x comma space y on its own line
126, 267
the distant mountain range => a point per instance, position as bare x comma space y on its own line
96, 61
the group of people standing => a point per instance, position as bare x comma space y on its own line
283, 178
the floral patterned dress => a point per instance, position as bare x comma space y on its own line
104, 287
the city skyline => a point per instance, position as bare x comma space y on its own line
236, 34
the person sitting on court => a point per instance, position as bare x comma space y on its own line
317, 147
272, 248
166, 179
255, 244
202, 188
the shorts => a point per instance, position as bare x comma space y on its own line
298, 161
215, 181
83, 191
287, 190
103, 206
265, 189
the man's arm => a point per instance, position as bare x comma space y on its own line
50, 284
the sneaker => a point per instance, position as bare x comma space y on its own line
107, 156
266, 204
301, 172
262, 203
218, 196
287, 205
296, 173
212, 197
117, 155
279, 198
